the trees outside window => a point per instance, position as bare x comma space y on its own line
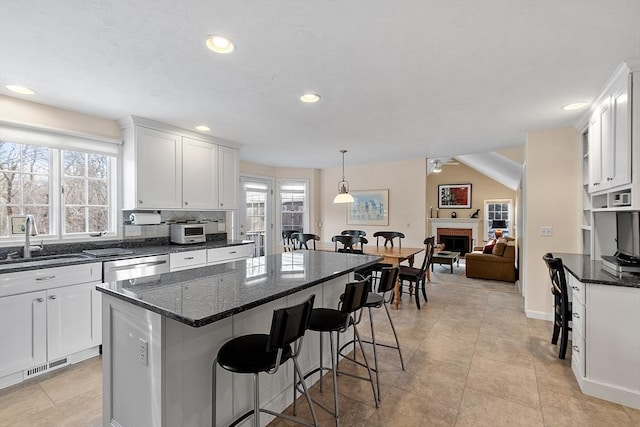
293, 205
70, 188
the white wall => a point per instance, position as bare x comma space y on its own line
405, 181
27, 113
553, 179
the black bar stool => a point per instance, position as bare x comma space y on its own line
332, 320
255, 353
387, 282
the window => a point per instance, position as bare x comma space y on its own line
293, 205
496, 210
70, 193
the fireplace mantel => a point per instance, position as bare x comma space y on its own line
464, 223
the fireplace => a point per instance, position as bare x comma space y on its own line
455, 243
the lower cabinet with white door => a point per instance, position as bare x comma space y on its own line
605, 337
49, 318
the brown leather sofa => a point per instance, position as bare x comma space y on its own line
498, 265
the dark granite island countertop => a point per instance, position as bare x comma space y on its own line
588, 271
204, 295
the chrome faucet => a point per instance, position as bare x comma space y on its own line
30, 230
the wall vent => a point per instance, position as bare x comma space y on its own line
58, 363
36, 371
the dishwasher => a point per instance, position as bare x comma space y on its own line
134, 268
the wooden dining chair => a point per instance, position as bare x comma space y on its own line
354, 233
303, 238
417, 277
562, 305
349, 244
388, 237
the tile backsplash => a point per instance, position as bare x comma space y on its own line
214, 223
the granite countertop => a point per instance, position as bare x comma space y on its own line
204, 295
588, 271
12, 266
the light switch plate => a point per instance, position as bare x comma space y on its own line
546, 231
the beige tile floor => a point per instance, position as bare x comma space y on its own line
472, 359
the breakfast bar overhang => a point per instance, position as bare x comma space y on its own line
161, 335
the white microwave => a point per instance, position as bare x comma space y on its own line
186, 234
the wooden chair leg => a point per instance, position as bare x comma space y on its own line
556, 333
424, 290
417, 296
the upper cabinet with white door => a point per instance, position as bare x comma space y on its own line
172, 168
613, 153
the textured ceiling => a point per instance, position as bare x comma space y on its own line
398, 79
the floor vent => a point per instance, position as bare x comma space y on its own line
58, 363
36, 371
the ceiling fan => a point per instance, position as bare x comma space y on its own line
437, 164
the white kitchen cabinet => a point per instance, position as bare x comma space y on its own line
23, 332
229, 177
73, 319
48, 318
199, 174
187, 259
171, 168
605, 342
610, 136
229, 253
152, 169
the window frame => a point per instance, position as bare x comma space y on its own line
305, 215
487, 234
57, 143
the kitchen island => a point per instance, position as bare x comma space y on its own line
605, 335
162, 333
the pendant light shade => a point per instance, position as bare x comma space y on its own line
343, 187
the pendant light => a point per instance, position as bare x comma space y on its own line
343, 187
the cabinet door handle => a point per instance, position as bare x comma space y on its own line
189, 257
575, 348
186, 203
234, 252
576, 315
609, 178
575, 288
140, 202
40, 299
53, 297
42, 279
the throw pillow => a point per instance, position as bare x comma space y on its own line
488, 249
499, 249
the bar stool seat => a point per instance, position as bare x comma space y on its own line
248, 354
328, 319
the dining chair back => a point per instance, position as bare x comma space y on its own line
388, 237
303, 238
286, 236
350, 244
562, 305
418, 276
354, 233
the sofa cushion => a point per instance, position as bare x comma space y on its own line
488, 249
499, 249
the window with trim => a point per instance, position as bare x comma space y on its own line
496, 211
293, 205
69, 192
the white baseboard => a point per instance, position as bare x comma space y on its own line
621, 395
540, 315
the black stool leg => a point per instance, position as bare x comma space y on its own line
395, 335
213, 393
375, 352
334, 366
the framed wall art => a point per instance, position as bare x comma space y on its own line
454, 196
370, 207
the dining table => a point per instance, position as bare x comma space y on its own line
392, 255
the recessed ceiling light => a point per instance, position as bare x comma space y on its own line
219, 44
20, 89
575, 106
203, 128
310, 97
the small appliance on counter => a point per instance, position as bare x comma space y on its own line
186, 234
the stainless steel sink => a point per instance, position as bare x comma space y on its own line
42, 260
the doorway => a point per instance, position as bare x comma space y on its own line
255, 214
